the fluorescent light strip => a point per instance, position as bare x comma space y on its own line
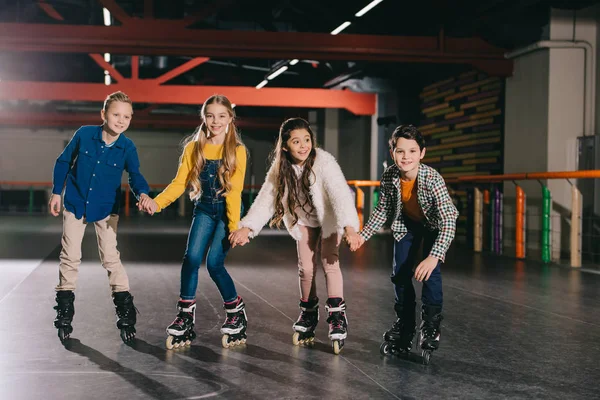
262, 84
107, 57
367, 8
340, 28
294, 61
278, 72
107, 80
106, 15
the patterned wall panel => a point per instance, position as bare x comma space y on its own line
462, 120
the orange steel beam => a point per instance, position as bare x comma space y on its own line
532, 176
170, 37
181, 69
135, 67
99, 58
141, 91
50, 10
140, 120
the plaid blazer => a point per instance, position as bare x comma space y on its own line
434, 199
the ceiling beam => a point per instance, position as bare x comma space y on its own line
170, 37
146, 92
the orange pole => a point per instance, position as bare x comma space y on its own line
520, 223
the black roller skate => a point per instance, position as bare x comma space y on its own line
430, 331
65, 309
126, 315
338, 323
306, 324
399, 339
236, 323
181, 331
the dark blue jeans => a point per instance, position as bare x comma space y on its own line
207, 239
405, 257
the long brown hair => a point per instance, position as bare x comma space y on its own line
228, 160
287, 180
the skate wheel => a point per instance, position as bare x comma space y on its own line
385, 348
225, 341
336, 347
63, 335
188, 342
127, 336
296, 339
169, 343
243, 341
426, 354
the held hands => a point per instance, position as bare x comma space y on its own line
147, 204
424, 269
239, 237
353, 239
54, 204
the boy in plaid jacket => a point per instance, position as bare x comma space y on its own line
416, 200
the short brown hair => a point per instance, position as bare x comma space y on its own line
116, 96
407, 132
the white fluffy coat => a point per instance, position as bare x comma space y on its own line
330, 194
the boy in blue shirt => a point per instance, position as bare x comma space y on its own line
92, 165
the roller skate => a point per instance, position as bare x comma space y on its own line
429, 339
126, 315
306, 324
338, 323
399, 338
181, 331
236, 323
65, 309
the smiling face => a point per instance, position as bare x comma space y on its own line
117, 117
299, 145
217, 119
407, 155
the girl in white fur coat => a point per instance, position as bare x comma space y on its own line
306, 190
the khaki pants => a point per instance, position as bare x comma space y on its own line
70, 255
312, 248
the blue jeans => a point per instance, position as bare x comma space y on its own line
405, 255
207, 239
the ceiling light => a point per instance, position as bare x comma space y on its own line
340, 28
262, 84
107, 57
107, 80
278, 72
294, 61
106, 15
367, 8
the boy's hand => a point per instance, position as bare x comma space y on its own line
147, 204
239, 237
425, 268
54, 204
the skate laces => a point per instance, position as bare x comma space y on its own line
336, 320
232, 319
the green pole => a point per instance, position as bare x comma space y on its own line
546, 208
375, 198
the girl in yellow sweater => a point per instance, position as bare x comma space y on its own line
213, 165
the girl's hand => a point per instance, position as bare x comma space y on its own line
425, 268
239, 237
147, 204
353, 239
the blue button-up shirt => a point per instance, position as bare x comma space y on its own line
93, 173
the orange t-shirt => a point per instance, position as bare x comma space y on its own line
410, 205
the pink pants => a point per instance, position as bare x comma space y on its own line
311, 248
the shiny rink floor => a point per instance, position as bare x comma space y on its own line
512, 329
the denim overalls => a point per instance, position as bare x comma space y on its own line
208, 237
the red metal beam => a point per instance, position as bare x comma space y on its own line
141, 91
50, 10
99, 58
181, 69
155, 121
135, 67
169, 37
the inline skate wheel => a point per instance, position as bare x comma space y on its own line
296, 338
63, 335
385, 348
225, 341
426, 354
127, 335
169, 343
337, 347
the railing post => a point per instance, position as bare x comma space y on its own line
576, 222
181, 211
360, 204
498, 223
546, 224
520, 222
486, 221
30, 208
478, 221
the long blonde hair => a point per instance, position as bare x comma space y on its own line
228, 160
